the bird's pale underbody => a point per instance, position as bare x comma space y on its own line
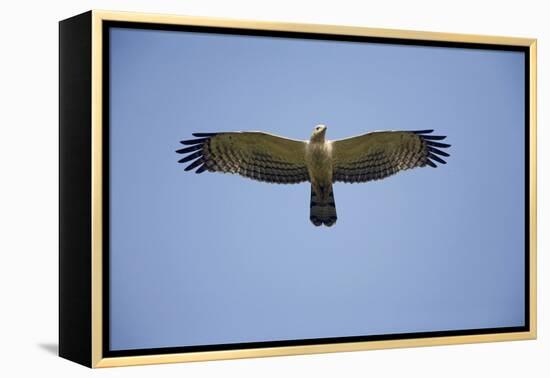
270, 158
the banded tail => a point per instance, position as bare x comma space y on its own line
322, 212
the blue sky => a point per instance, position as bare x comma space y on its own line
216, 258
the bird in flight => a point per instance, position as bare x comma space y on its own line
274, 159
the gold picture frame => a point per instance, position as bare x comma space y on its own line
82, 320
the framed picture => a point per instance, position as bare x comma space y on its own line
165, 259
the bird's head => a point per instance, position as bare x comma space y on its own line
319, 133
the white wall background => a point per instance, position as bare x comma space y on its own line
28, 189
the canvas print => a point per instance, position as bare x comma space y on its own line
283, 190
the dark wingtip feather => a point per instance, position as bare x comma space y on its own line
437, 151
423, 131
437, 144
201, 169
431, 163
436, 158
204, 134
194, 164
190, 157
433, 137
189, 149
194, 141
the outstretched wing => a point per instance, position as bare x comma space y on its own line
380, 154
259, 156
